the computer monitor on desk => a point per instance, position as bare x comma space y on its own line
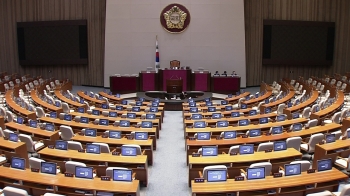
48, 168
254, 132
93, 148
131, 115
222, 123
112, 114
95, 112
230, 134
197, 116
253, 112
235, 114
124, 123
150, 116
243, 122
49, 127
81, 110
330, 138
146, 124
114, 134
279, 145
18, 163
209, 151
292, 169
104, 122
61, 145
122, 175
203, 135
194, 110
211, 109
216, 175
263, 120
84, 119
129, 151
19, 120
33, 123
228, 108
141, 135
53, 114
255, 173
84, 172
90, 132
216, 116
192, 104
13, 137
246, 149
277, 130
67, 117
324, 165
199, 124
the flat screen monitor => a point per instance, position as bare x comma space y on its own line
48, 168
117, 95
263, 120
229, 95
253, 112
104, 106
243, 106
266, 101
279, 145
206, 99
297, 102
84, 119
190, 100
61, 145
124, 123
13, 137
104, 122
243, 122
297, 127
124, 102
33, 123
192, 104
247, 98
141, 135
57, 104
224, 102
93, 148
84, 172
155, 104
237, 93
95, 112
119, 107
211, 109
90, 132
330, 138
295, 115
81, 110
209, 151
228, 108
129, 151
199, 124
142, 99
255, 173
19, 120
230, 134
146, 124
324, 165
150, 116
112, 114
67, 117
194, 110
222, 123
246, 149
280, 118
276, 130
53, 114
82, 101
203, 136
122, 175
254, 132
216, 116
114, 134
235, 114
135, 109
18, 163
153, 109
317, 108
268, 110
156, 100
292, 169
131, 115
49, 127
290, 104
348, 134
256, 95
216, 175
197, 116
209, 103
138, 103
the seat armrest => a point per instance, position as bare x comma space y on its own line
339, 157
223, 152
133, 175
281, 168
244, 172
143, 152
200, 174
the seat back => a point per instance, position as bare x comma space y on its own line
306, 112
70, 166
337, 134
174, 64
265, 146
267, 165
65, 107
66, 132
9, 116
315, 139
40, 112
35, 162
312, 123
305, 165
73, 145
28, 141
294, 142
233, 149
281, 108
12, 191
212, 167
345, 191
336, 117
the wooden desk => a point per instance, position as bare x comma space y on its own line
224, 113
36, 183
35, 132
320, 115
111, 98
100, 161
237, 162
346, 125
72, 103
146, 145
291, 185
18, 148
2, 122
301, 106
21, 111
234, 98
45, 105
216, 131
259, 99
92, 100
125, 130
285, 99
331, 150
225, 84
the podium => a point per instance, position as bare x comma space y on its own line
174, 85
168, 74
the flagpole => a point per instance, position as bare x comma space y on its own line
157, 66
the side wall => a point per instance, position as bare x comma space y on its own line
12, 11
214, 40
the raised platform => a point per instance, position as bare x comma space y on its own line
171, 104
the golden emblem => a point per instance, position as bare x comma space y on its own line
175, 18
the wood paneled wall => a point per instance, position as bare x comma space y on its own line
337, 11
94, 11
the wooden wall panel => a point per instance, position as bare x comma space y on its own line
94, 11
337, 11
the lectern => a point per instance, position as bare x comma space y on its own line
174, 85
